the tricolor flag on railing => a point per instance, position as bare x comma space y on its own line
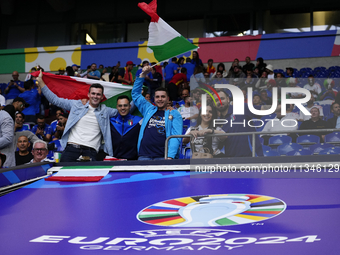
165, 41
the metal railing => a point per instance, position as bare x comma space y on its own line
253, 134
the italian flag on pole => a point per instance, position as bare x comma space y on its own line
78, 88
165, 41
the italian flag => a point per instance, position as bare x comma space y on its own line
79, 173
78, 88
164, 41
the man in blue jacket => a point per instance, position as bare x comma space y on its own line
125, 128
87, 127
158, 123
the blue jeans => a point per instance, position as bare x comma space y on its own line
71, 154
150, 158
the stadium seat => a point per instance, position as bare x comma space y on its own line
261, 140
186, 125
333, 138
270, 153
307, 140
283, 149
331, 150
187, 153
277, 140
300, 152
266, 148
316, 148
326, 109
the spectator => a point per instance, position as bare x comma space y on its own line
257, 100
19, 123
61, 71
32, 97
180, 64
249, 82
197, 98
236, 62
42, 130
286, 123
264, 97
86, 125
309, 106
330, 93
197, 78
6, 138
292, 83
39, 152
201, 143
251, 73
70, 71
62, 120
260, 65
289, 72
184, 93
270, 70
335, 121
315, 122
220, 68
158, 123
248, 66
190, 68
125, 75
237, 76
211, 69
188, 111
176, 80
124, 131
196, 59
76, 69
2, 159
261, 84
170, 70
237, 146
17, 105
23, 156
93, 73
256, 72
14, 88
113, 77
147, 81
313, 87
280, 81
55, 122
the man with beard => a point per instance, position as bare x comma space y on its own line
158, 123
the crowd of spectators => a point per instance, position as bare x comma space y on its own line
34, 120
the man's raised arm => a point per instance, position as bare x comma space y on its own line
51, 97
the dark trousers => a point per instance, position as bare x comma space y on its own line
71, 154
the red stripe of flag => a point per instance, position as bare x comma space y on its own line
175, 202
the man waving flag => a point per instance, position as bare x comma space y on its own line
165, 41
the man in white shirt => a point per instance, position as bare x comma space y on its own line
188, 112
87, 125
284, 123
313, 87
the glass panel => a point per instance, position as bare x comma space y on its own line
328, 20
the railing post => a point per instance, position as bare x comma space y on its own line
253, 145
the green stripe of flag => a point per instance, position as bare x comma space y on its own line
174, 47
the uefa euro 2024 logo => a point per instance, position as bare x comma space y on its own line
212, 210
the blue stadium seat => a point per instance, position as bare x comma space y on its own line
283, 149
300, 152
316, 148
266, 148
270, 153
331, 150
187, 152
307, 140
186, 125
333, 138
326, 109
277, 140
